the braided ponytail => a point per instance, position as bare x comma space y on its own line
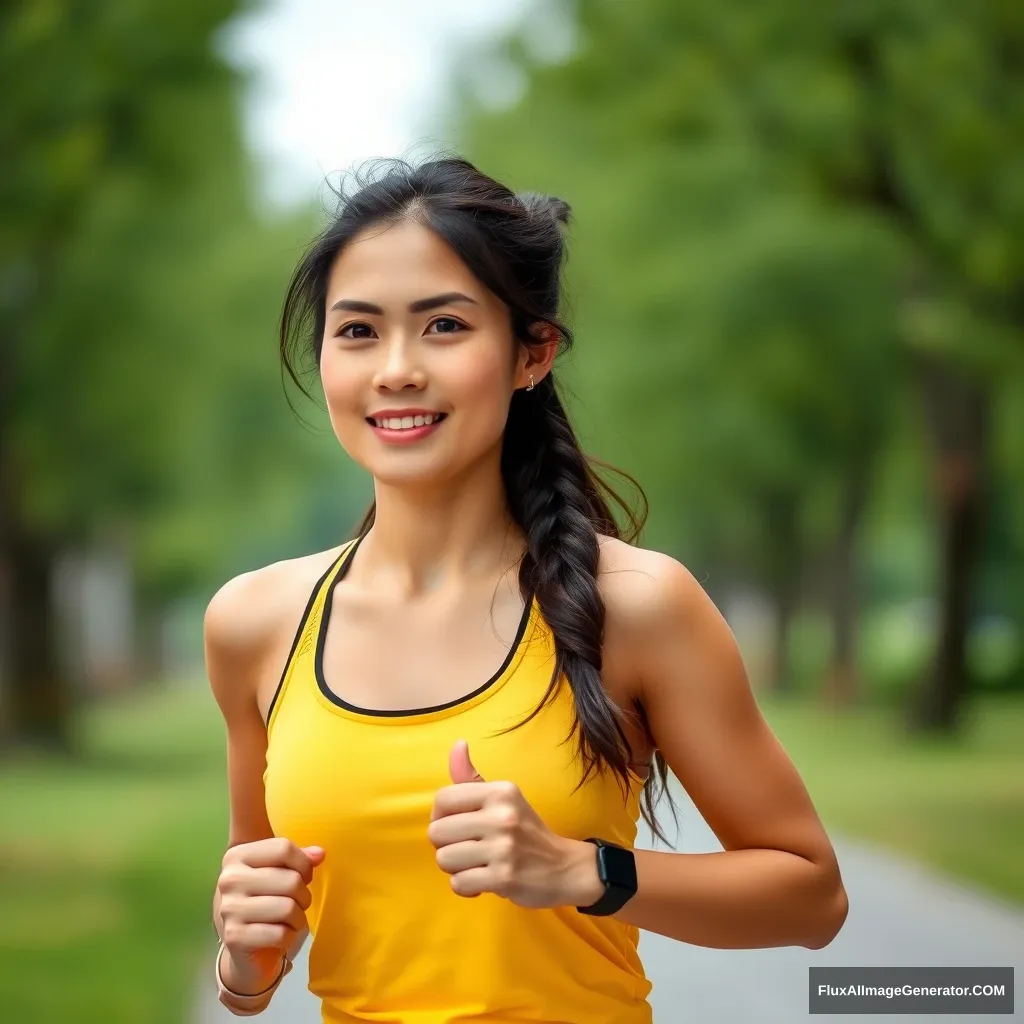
555, 498
514, 246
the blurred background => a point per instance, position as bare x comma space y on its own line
797, 279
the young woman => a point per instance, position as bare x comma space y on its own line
477, 691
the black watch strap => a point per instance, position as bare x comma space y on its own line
616, 867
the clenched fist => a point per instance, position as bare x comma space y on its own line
489, 839
264, 895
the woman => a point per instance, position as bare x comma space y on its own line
445, 782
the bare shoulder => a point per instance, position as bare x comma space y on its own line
644, 589
251, 620
663, 633
249, 608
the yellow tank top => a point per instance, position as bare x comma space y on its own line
391, 942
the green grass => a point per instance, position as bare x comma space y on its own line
107, 865
956, 804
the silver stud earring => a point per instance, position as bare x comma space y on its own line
530, 386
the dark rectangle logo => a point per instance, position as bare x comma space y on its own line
910, 990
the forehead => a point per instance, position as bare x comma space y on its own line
405, 261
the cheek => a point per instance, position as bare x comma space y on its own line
480, 383
339, 378
343, 391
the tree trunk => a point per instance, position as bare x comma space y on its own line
6, 530
957, 413
842, 687
149, 641
783, 560
40, 702
785, 608
35, 698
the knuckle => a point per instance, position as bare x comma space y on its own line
283, 906
506, 790
230, 856
505, 817
504, 879
505, 849
229, 908
231, 878
280, 846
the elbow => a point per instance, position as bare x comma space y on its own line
834, 910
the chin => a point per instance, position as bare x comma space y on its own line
416, 467
412, 470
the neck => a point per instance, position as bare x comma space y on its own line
450, 534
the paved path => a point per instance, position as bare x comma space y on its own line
900, 915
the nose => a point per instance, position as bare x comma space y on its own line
400, 369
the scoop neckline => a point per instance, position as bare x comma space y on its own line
402, 716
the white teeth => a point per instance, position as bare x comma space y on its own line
407, 422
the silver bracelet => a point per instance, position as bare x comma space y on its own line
248, 1001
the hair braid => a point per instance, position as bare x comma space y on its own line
551, 495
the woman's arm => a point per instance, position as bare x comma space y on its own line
667, 647
243, 638
777, 883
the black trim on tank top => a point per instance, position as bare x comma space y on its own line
302, 625
401, 712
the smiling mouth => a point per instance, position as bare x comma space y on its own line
406, 422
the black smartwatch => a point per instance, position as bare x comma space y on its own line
616, 867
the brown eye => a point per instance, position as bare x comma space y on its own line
356, 331
447, 325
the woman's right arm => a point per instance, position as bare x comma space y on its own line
262, 891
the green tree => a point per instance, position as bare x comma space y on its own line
139, 289
829, 182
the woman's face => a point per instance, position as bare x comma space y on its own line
418, 362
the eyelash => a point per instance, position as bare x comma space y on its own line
362, 323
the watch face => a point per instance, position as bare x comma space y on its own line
619, 868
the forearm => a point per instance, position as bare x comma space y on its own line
738, 899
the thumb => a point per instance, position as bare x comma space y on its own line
315, 854
459, 765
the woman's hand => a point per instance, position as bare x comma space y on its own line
489, 839
264, 894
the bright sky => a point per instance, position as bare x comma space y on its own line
337, 81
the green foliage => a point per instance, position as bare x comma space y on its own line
141, 287
778, 209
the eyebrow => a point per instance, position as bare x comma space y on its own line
419, 306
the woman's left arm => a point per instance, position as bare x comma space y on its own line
777, 883
666, 647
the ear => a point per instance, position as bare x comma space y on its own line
537, 357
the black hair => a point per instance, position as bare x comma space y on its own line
514, 245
